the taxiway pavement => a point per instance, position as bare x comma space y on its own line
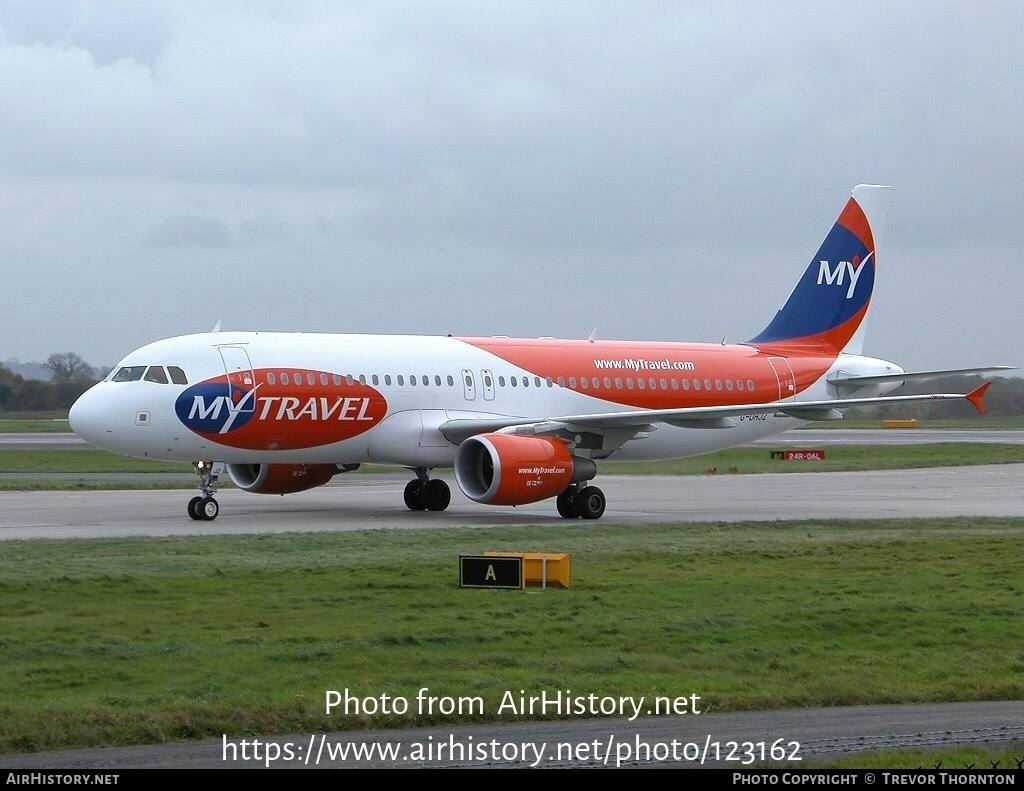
359, 501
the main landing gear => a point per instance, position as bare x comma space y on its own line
585, 502
423, 494
204, 507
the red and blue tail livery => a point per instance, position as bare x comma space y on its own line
831, 300
518, 420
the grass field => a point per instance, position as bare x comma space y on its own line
84, 460
122, 641
24, 422
736, 460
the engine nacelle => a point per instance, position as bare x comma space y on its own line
508, 469
280, 478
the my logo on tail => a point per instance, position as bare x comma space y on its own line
835, 277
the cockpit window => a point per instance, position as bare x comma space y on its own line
156, 374
129, 373
177, 375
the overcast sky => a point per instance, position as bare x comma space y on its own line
655, 170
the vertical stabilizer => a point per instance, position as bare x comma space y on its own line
831, 300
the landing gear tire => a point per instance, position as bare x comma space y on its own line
566, 503
204, 507
437, 495
207, 509
590, 503
415, 495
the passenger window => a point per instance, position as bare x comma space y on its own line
271, 379
177, 375
156, 374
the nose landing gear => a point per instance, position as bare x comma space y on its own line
204, 507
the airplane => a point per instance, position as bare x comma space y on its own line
519, 420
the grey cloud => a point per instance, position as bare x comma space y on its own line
189, 230
577, 142
110, 31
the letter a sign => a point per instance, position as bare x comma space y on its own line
479, 571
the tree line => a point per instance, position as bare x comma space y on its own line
70, 377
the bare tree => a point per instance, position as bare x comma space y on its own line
67, 366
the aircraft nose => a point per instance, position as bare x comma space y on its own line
92, 417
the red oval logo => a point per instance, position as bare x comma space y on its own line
284, 410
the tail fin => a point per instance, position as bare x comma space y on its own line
830, 301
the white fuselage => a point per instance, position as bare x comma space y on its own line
346, 399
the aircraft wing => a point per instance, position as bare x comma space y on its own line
713, 417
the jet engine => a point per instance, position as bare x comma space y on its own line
281, 478
508, 469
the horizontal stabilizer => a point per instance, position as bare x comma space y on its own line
907, 375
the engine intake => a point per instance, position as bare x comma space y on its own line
507, 469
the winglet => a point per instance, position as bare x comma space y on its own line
977, 396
